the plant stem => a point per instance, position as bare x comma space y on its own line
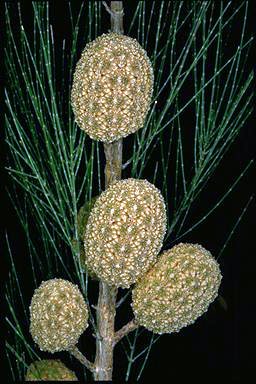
117, 16
131, 326
83, 360
106, 307
105, 323
116, 12
113, 167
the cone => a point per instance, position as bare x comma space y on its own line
177, 289
112, 87
49, 370
58, 315
125, 231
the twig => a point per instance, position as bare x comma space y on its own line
131, 326
123, 299
83, 360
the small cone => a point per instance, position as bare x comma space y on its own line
58, 315
177, 289
49, 370
125, 231
112, 87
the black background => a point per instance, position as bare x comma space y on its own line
219, 344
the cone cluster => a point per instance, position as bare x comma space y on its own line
125, 231
58, 315
177, 289
112, 87
49, 370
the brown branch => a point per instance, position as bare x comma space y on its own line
131, 326
106, 306
83, 360
106, 323
116, 11
113, 167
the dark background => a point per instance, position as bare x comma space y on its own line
219, 344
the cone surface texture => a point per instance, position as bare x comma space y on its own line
125, 231
58, 315
49, 370
177, 289
112, 87
78, 243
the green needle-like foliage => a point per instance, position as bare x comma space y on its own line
202, 99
